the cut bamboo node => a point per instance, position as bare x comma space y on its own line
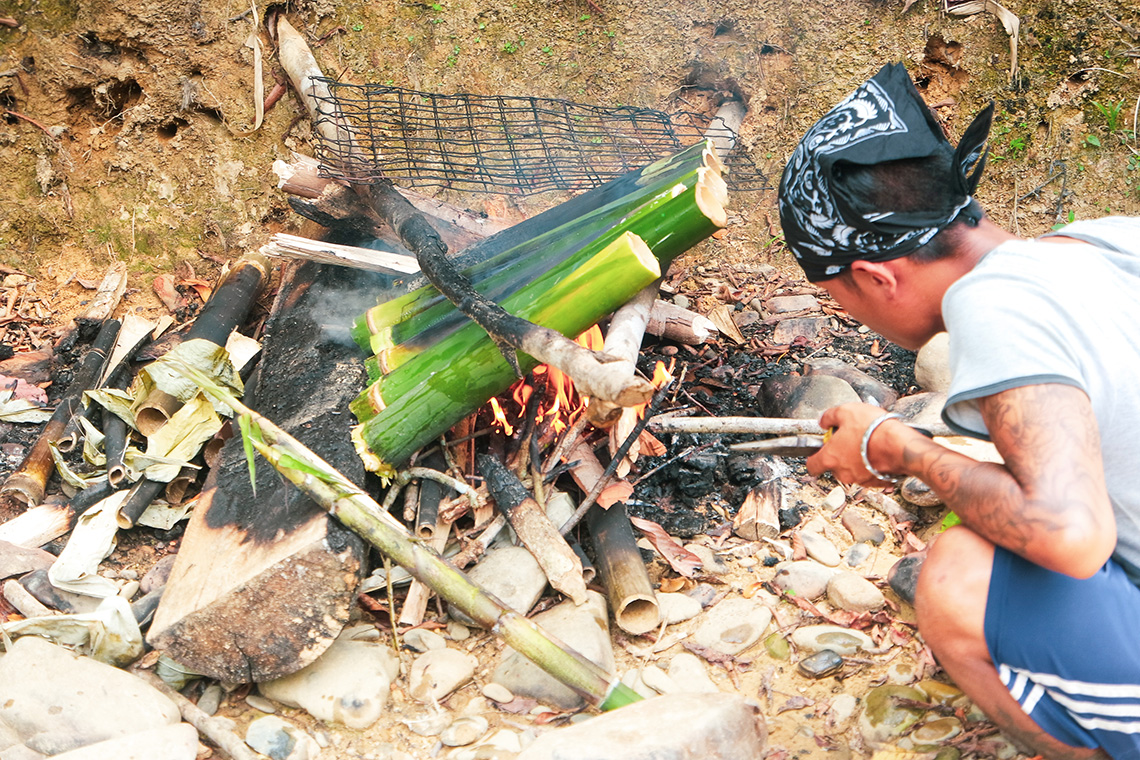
155, 411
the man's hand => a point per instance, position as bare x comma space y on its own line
1048, 503
841, 454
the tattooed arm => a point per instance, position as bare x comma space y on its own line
1048, 503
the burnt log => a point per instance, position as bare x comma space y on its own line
265, 580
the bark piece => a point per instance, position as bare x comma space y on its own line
263, 583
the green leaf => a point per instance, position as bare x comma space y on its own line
1093, 140
245, 422
949, 521
293, 463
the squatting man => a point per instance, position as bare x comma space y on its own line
1031, 604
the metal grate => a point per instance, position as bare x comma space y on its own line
479, 143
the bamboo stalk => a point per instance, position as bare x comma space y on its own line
345, 501
623, 571
466, 371
28, 482
228, 307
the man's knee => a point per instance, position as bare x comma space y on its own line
953, 586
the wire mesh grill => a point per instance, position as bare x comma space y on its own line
479, 143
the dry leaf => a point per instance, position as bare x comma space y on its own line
721, 316
679, 558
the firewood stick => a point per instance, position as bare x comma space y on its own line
216, 730
752, 426
554, 555
628, 588
623, 340
47, 522
671, 322
28, 482
419, 593
397, 263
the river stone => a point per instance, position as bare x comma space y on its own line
670, 727
656, 679
176, 742
785, 304
466, 730
883, 719
421, 640
861, 529
820, 549
777, 646
902, 672
842, 641
510, 573
808, 328
280, 740
932, 364
842, 707
935, 731
504, 744
211, 699
903, 576
802, 397
430, 722
854, 593
496, 692
57, 701
914, 491
940, 693
438, 672
347, 684
921, 409
677, 608
835, 499
870, 390
584, 629
821, 664
733, 625
805, 578
690, 674
858, 554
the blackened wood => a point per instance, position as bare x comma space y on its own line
264, 582
619, 562
28, 483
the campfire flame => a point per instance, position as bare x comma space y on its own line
566, 404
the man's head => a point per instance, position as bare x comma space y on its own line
875, 179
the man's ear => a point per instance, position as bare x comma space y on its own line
874, 276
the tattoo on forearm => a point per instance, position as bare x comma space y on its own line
1052, 476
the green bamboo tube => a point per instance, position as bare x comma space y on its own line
506, 258
669, 224
459, 375
563, 301
345, 501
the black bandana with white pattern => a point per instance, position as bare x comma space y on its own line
885, 119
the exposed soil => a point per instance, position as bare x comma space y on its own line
127, 134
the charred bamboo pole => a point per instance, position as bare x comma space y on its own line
144, 492
345, 501
228, 307
619, 562
28, 482
562, 567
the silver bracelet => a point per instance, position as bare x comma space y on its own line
867, 440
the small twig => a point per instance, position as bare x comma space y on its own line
569, 438
392, 605
618, 455
10, 22
30, 120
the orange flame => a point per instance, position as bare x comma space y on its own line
501, 417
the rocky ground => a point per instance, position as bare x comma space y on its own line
789, 610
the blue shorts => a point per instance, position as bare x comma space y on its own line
1068, 650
